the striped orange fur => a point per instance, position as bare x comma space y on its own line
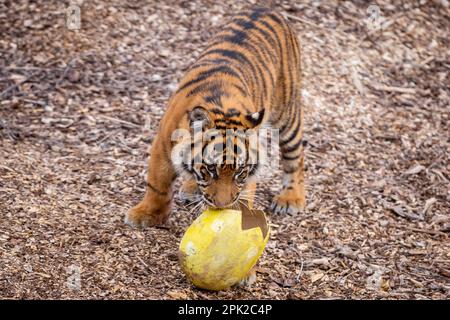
248, 76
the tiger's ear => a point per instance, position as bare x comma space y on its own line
199, 116
255, 118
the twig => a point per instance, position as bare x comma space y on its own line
41, 103
7, 168
120, 121
290, 16
381, 87
10, 88
298, 277
32, 68
438, 233
146, 265
400, 212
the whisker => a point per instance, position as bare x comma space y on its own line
192, 205
196, 208
185, 196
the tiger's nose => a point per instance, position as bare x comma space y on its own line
224, 203
220, 204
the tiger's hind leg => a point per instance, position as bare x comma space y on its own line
292, 197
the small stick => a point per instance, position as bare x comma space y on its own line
41, 103
393, 89
17, 84
120, 121
146, 265
438, 233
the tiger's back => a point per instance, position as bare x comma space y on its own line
256, 56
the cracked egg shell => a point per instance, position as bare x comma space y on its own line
221, 246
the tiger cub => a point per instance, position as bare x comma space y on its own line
248, 76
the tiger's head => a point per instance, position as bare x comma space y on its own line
223, 153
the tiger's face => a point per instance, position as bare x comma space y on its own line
224, 160
221, 185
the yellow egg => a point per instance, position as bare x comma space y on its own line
221, 246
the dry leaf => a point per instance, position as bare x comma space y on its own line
316, 277
414, 170
178, 295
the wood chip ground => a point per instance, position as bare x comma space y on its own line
79, 109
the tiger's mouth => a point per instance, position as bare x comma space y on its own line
231, 205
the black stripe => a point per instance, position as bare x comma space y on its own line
237, 56
222, 127
265, 35
289, 48
291, 171
199, 65
209, 73
228, 121
285, 26
243, 91
232, 112
287, 96
239, 37
293, 134
275, 18
249, 25
207, 62
199, 176
161, 193
253, 169
214, 99
293, 147
277, 40
220, 61
258, 12
228, 61
237, 150
186, 167
215, 96
217, 111
295, 47
206, 145
289, 158
208, 86
267, 46
291, 118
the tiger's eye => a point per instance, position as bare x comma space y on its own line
242, 176
211, 167
204, 172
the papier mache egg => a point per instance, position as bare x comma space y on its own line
221, 246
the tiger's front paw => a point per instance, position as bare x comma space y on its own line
143, 215
290, 200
